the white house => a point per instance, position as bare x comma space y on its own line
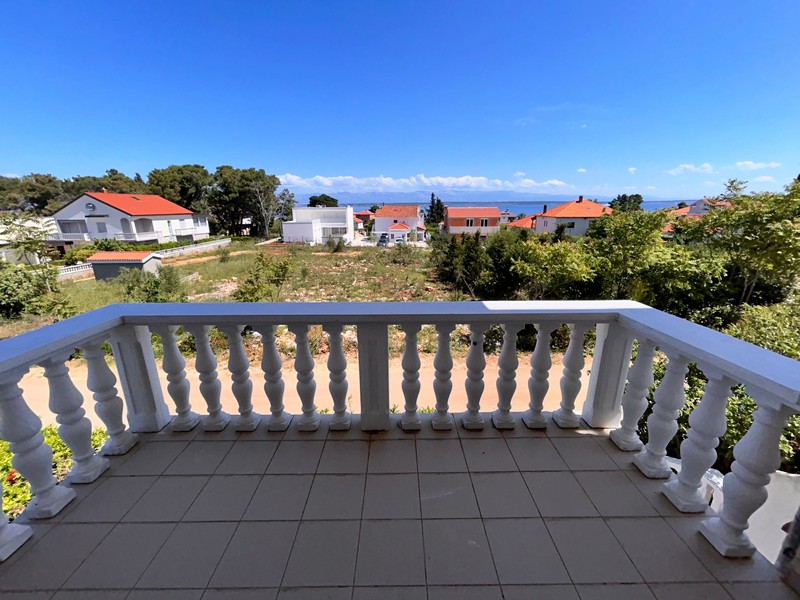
129, 218
398, 221
316, 225
576, 215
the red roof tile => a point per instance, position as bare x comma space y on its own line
680, 212
398, 210
473, 211
528, 222
578, 209
399, 226
140, 204
127, 256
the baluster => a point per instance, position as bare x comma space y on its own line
506, 378
337, 369
411, 384
537, 383
272, 366
757, 456
634, 401
178, 386
108, 404
476, 363
306, 386
565, 416
442, 386
74, 428
662, 424
31, 456
12, 535
241, 386
698, 451
210, 386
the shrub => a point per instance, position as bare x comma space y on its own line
142, 286
264, 280
17, 289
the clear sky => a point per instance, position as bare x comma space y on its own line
667, 99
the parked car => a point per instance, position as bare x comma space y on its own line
383, 242
400, 242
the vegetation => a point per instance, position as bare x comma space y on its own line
322, 200
435, 213
627, 203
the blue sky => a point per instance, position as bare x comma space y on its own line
667, 99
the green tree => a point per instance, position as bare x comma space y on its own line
39, 192
143, 286
435, 213
322, 200
264, 280
185, 185
286, 203
10, 193
238, 194
627, 203
374, 208
28, 238
549, 271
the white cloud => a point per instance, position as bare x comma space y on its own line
690, 168
519, 174
12, 175
420, 182
749, 165
650, 187
581, 170
764, 179
631, 170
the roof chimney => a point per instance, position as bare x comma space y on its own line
580, 198
544, 208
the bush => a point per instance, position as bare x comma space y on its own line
17, 289
264, 280
142, 286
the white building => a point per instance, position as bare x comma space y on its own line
128, 218
319, 224
398, 221
576, 215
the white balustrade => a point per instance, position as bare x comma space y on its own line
411, 385
476, 363
33, 459
12, 535
662, 424
565, 416
540, 371
272, 366
108, 404
634, 401
74, 428
337, 369
210, 386
178, 387
442, 385
306, 386
507, 363
241, 386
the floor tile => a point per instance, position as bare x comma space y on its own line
590, 552
447, 496
344, 457
457, 553
514, 500
226, 594
390, 553
427, 432
247, 458
110, 500
667, 560
391, 497
165, 595
199, 458
296, 458
390, 593
582, 454
335, 497
315, 593
487, 432
256, 556
523, 552
324, 554
651, 489
224, 498
759, 591
121, 557
89, 595
440, 456
35, 595
615, 591
558, 494
540, 592
168, 499
689, 591
488, 455
535, 454
151, 459
613, 495
392, 456
461, 592
279, 497
54, 558
293, 434
623, 460
189, 556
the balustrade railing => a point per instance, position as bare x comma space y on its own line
772, 380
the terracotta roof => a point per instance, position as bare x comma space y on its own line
421, 228
399, 226
578, 209
528, 222
119, 256
473, 211
680, 212
398, 210
140, 204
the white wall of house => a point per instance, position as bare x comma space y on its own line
316, 225
471, 230
382, 225
579, 225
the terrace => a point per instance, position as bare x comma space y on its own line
504, 500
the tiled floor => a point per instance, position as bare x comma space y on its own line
433, 515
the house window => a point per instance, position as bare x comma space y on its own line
469, 222
571, 225
484, 222
72, 227
395, 221
101, 227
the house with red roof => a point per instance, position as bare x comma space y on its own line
528, 222
134, 218
576, 215
107, 265
471, 219
400, 221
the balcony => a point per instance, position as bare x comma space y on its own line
503, 500
142, 236
57, 236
